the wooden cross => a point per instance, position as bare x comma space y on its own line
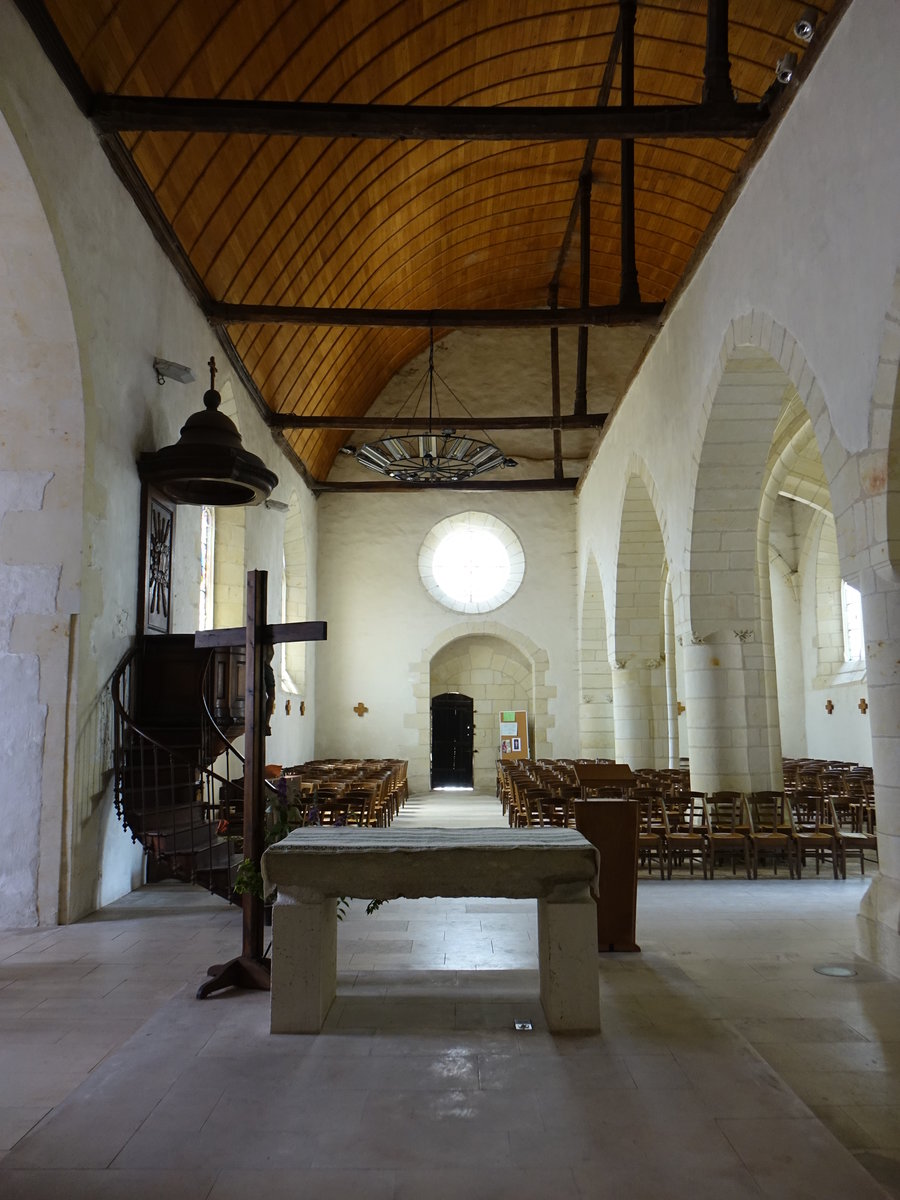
829, 707
863, 706
252, 968
360, 709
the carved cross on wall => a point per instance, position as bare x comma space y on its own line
360, 709
863, 706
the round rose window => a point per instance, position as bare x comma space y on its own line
471, 562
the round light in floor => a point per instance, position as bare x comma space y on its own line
835, 972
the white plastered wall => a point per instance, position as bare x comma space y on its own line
40, 547
802, 268
384, 628
127, 305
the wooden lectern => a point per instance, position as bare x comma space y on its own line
611, 824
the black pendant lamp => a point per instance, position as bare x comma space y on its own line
208, 464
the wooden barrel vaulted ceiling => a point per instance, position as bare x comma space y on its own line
418, 155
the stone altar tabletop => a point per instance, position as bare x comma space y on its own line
312, 866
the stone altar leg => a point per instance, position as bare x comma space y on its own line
304, 963
570, 973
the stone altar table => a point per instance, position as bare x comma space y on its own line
313, 866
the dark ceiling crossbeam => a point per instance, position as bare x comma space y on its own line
113, 114
433, 318
475, 485
410, 424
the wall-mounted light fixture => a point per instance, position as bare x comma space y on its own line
172, 370
805, 25
785, 68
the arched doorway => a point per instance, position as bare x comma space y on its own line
452, 740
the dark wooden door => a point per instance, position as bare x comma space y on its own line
452, 735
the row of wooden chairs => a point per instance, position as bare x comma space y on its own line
366, 792
681, 827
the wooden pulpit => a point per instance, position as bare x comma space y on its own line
611, 824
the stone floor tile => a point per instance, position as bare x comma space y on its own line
303, 1183
106, 1185
798, 1158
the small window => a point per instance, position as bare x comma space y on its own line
207, 565
851, 607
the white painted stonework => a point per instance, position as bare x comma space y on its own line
681, 574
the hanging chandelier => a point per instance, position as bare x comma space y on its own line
430, 457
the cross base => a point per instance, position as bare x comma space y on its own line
241, 972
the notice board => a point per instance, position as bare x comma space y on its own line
513, 734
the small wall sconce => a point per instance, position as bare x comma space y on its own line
805, 25
172, 370
785, 68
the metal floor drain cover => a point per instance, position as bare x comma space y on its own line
524, 1026
837, 972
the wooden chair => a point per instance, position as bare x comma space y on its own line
813, 830
651, 833
686, 831
855, 833
726, 831
769, 830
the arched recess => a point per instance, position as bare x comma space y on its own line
598, 732
508, 650
295, 586
764, 412
729, 651
639, 679
798, 530
41, 534
497, 676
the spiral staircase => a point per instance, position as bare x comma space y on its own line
178, 776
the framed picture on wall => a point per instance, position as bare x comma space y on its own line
156, 538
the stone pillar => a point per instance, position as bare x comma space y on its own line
733, 742
632, 711
879, 917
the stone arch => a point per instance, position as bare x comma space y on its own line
728, 636
639, 680
295, 591
540, 718
41, 535
597, 726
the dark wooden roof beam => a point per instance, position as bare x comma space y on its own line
421, 122
434, 318
474, 485
413, 424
